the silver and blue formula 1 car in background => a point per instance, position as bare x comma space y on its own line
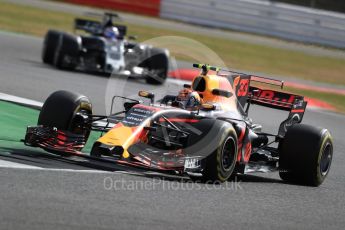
105, 48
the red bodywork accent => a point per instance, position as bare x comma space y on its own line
61, 136
297, 111
271, 98
180, 120
240, 143
248, 151
150, 108
243, 89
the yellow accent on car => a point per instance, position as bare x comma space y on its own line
120, 136
217, 82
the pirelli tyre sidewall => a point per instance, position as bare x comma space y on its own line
60, 109
221, 162
305, 155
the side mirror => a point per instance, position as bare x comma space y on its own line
221, 92
148, 95
129, 105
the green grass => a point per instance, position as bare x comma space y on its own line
14, 120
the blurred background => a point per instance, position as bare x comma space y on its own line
332, 5
301, 42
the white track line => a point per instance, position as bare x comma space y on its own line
14, 165
20, 100
9, 164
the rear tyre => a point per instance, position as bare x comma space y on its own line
220, 165
62, 110
306, 155
49, 46
158, 63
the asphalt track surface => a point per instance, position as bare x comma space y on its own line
40, 191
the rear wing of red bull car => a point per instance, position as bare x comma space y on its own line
248, 94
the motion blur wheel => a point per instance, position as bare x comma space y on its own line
157, 64
305, 155
66, 52
50, 43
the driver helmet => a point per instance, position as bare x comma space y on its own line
111, 33
188, 99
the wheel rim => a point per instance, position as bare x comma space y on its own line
228, 154
75, 128
326, 159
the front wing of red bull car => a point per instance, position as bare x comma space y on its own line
207, 143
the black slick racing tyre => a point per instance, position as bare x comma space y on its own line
157, 64
220, 165
66, 53
305, 155
50, 44
62, 110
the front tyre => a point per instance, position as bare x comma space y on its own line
66, 52
306, 155
50, 44
157, 64
65, 111
221, 163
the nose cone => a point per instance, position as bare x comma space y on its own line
121, 136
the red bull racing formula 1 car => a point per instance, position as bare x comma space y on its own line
204, 131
